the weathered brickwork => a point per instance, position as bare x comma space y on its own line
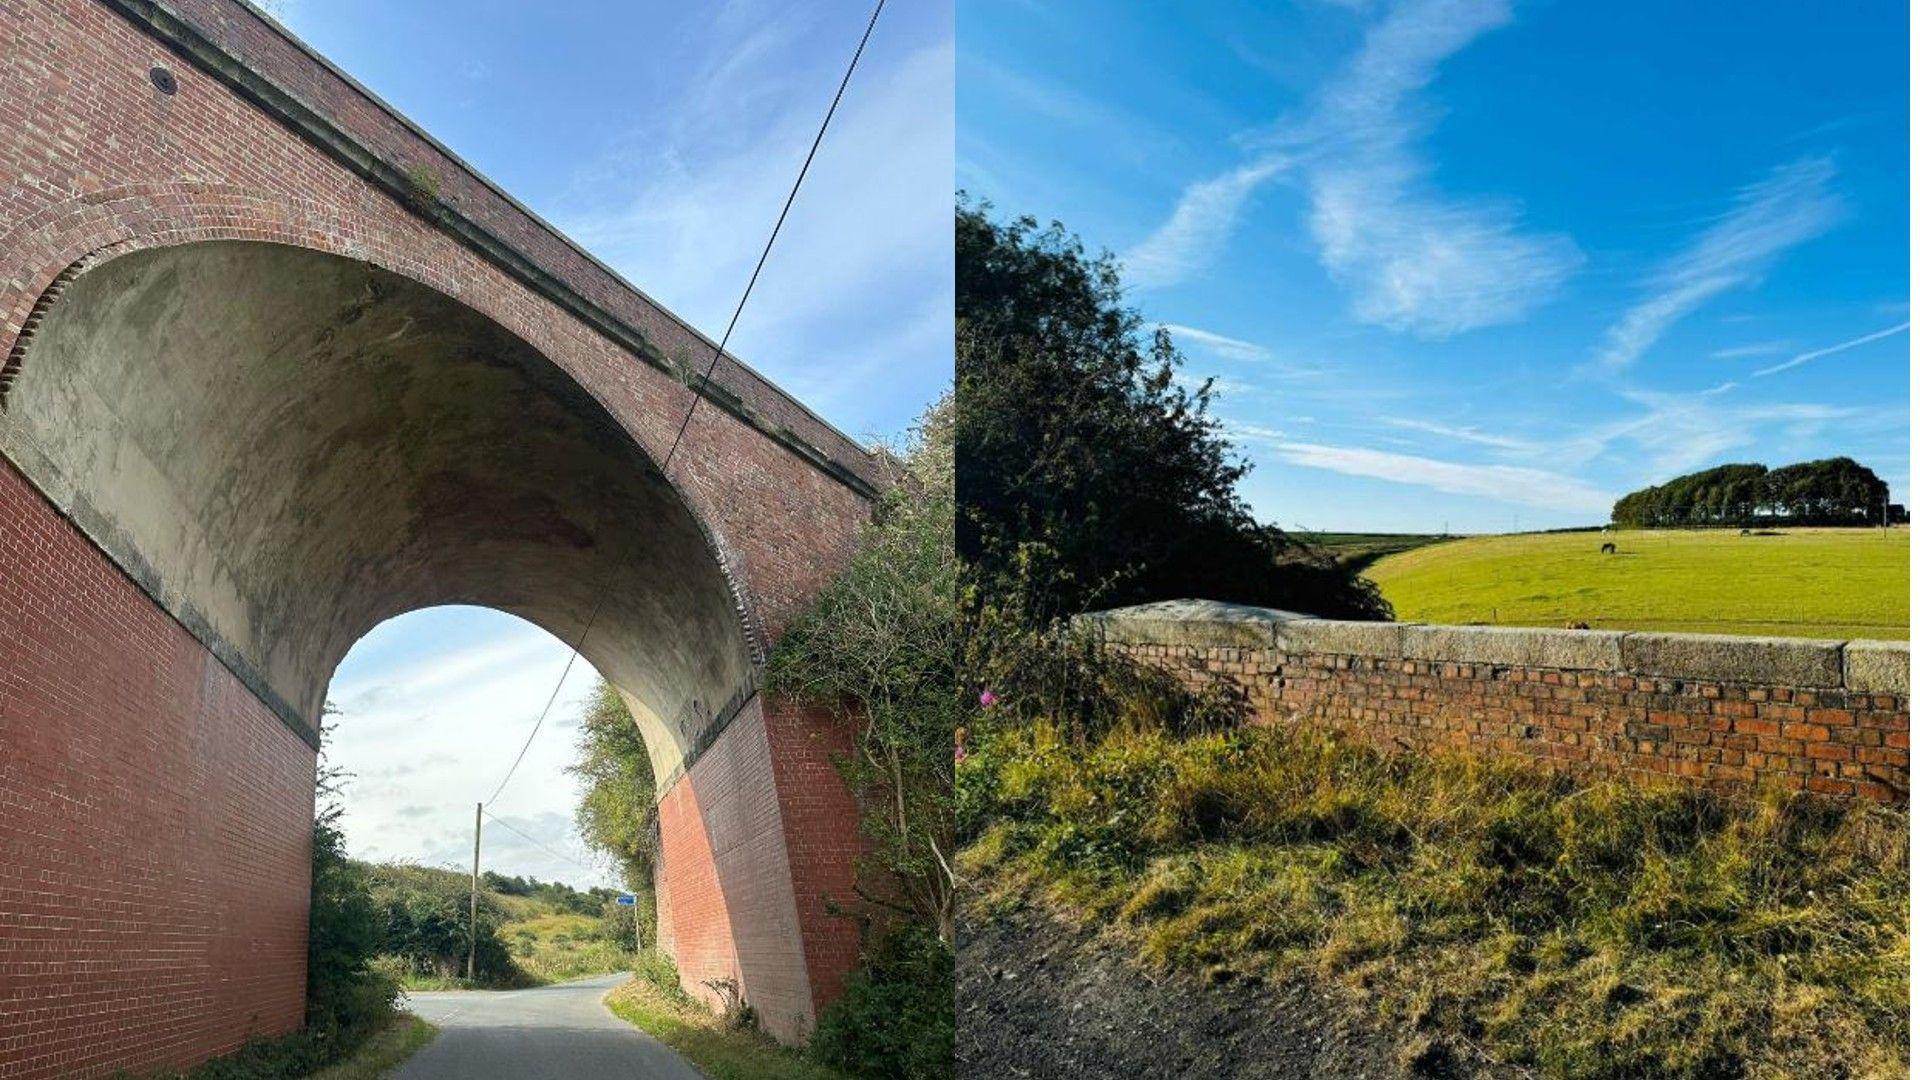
154, 824
100, 163
154, 814
1735, 714
823, 840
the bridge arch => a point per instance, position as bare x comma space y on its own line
283, 446
157, 662
288, 447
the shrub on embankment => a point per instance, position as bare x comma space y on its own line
1589, 930
530, 934
878, 651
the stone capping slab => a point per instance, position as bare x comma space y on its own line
1880, 667
1340, 637
1193, 623
1516, 646
1728, 658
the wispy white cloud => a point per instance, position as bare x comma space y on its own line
682, 203
1463, 434
1199, 226
1506, 483
1412, 258
1796, 361
1219, 344
1415, 259
1748, 352
1791, 205
1675, 433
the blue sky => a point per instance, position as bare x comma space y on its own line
1477, 264
663, 137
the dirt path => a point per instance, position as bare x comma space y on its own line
1035, 999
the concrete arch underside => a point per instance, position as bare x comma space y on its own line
225, 461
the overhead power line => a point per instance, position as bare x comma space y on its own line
721, 348
718, 350
551, 698
497, 820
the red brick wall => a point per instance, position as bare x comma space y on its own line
154, 824
729, 884
1816, 725
821, 822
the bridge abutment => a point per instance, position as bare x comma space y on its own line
258, 393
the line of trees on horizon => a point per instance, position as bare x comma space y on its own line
1831, 491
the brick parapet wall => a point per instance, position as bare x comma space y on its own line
1734, 713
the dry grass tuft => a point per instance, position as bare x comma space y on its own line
1578, 929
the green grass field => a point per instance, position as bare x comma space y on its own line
1826, 583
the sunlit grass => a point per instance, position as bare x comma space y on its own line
1827, 583
384, 1052
721, 1050
1587, 930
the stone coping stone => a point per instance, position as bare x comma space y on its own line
1878, 667
1379, 640
1802, 662
1194, 623
1881, 667
1516, 646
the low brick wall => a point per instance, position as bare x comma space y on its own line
1731, 712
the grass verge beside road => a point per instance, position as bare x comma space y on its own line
717, 1045
383, 1052
1822, 583
1487, 910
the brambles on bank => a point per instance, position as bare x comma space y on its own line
1589, 930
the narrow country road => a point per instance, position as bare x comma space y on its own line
559, 1032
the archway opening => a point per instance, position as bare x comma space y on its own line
287, 448
249, 455
432, 710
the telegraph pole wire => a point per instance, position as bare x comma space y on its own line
721, 348
666, 464
718, 350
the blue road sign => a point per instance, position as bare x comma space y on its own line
624, 900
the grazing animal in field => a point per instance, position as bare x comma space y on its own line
1607, 549
1578, 626
1746, 532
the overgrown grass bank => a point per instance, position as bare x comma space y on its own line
562, 946
1583, 930
384, 1052
722, 1046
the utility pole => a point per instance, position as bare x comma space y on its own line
473, 896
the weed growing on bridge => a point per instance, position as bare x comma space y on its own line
1579, 930
879, 651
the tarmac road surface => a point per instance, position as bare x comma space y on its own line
559, 1032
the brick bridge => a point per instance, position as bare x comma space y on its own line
279, 367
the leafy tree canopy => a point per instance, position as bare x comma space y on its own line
1832, 491
1087, 474
617, 813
